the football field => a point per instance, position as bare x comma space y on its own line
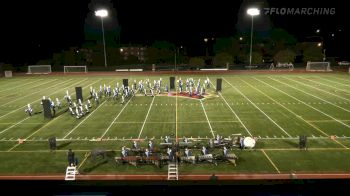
273, 108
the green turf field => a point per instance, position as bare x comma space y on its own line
276, 109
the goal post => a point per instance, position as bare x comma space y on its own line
39, 69
75, 69
318, 66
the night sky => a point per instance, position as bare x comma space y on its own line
31, 30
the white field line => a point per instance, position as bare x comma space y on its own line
14, 125
268, 158
88, 115
36, 131
176, 127
233, 111
116, 118
320, 89
170, 122
37, 100
309, 94
303, 103
284, 107
81, 164
206, 116
84, 119
61, 99
11, 82
326, 120
265, 149
347, 80
318, 129
61, 115
258, 108
28, 123
35, 92
16, 86
93, 139
144, 122
317, 82
334, 82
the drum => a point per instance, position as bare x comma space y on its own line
249, 142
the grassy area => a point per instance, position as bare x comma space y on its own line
276, 109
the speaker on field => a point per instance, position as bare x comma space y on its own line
218, 84
302, 141
125, 82
172, 83
79, 93
47, 109
52, 143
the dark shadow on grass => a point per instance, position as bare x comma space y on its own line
100, 160
292, 143
90, 169
63, 145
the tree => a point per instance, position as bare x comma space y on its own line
163, 45
222, 59
256, 58
310, 51
285, 56
196, 61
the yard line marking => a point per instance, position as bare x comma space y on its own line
347, 80
265, 149
84, 119
37, 100
211, 129
335, 82
190, 122
36, 131
234, 112
144, 122
309, 94
116, 118
303, 102
14, 125
22, 85
325, 121
258, 108
86, 156
29, 123
176, 115
74, 93
286, 108
319, 89
262, 150
35, 92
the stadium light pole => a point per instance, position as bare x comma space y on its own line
103, 13
253, 12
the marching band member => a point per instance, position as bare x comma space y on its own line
187, 152
29, 110
166, 139
150, 145
147, 153
225, 151
204, 150
135, 145
58, 103
124, 152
